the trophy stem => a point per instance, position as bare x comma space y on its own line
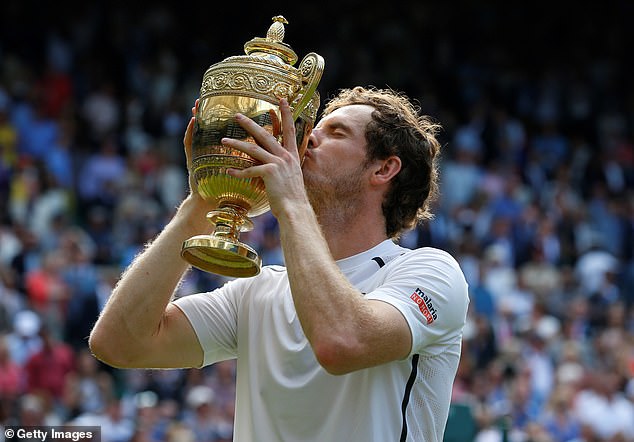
222, 252
229, 221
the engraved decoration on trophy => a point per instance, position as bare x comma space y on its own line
252, 85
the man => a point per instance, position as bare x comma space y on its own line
357, 339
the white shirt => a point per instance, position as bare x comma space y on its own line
283, 394
608, 417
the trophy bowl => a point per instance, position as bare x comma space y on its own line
252, 85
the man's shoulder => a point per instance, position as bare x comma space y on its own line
428, 264
274, 269
237, 287
427, 255
267, 272
269, 275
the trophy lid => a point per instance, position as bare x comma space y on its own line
272, 44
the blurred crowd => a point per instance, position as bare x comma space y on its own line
537, 203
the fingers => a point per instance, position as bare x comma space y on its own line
262, 137
187, 138
270, 141
267, 148
187, 143
249, 172
253, 150
288, 126
276, 123
195, 108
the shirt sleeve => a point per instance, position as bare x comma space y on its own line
213, 315
429, 289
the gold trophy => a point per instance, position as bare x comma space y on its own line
252, 85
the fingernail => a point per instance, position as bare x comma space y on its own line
239, 117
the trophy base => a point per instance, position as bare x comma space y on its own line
220, 256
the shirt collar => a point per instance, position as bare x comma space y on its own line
384, 248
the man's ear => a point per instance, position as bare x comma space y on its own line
386, 170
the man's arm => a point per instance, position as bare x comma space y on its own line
138, 326
346, 331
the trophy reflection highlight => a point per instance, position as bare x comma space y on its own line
252, 85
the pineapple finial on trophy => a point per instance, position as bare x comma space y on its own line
272, 44
276, 30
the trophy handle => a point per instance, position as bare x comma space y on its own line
311, 68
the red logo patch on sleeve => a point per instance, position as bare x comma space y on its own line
425, 305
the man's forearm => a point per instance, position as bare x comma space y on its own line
346, 331
330, 309
136, 308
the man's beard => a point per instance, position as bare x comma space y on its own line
336, 198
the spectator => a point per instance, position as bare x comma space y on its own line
202, 415
48, 369
604, 409
87, 390
11, 301
115, 427
11, 380
102, 174
47, 292
24, 341
101, 111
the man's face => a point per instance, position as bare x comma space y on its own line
335, 163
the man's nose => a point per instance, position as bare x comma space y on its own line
312, 139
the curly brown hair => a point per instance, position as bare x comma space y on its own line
398, 129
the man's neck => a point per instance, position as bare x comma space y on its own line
352, 236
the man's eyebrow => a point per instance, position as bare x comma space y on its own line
341, 125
